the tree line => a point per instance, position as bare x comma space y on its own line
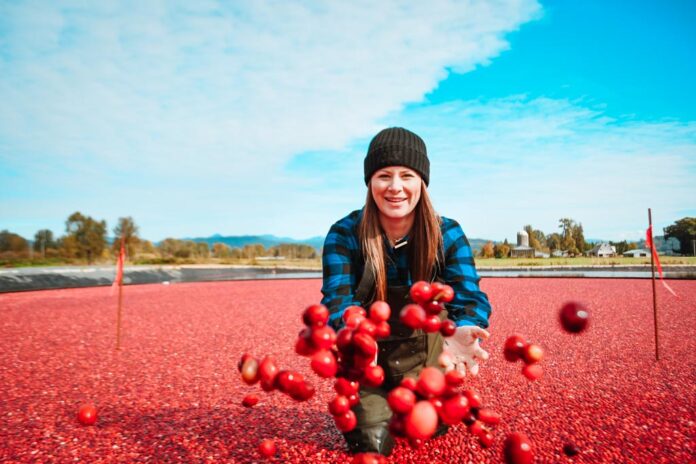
85, 240
570, 240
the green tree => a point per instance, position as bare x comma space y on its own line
127, 229
683, 230
579, 238
43, 240
89, 235
202, 250
553, 241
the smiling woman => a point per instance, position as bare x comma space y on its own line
378, 252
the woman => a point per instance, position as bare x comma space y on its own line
376, 253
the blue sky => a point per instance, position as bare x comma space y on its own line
251, 117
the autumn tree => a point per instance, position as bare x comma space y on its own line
487, 250
43, 240
221, 250
13, 245
501, 250
683, 230
88, 234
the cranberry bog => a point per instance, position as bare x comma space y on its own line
173, 392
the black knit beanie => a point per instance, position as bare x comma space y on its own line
397, 146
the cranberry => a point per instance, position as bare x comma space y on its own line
250, 371
380, 311
431, 382
533, 353
302, 391
454, 378
374, 376
369, 458
486, 439
368, 327
268, 370
87, 414
353, 399
412, 316
365, 344
250, 400
397, 425
345, 387
316, 315
574, 317
383, 330
476, 428
339, 405
431, 324
421, 422
304, 347
532, 371
488, 416
518, 449
409, 382
469, 418
344, 339
446, 294
401, 400
433, 307
421, 292
448, 328
354, 310
346, 421
323, 337
474, 398
324, 364
454, 409
241, 362
286, 380
267, 448
514, 347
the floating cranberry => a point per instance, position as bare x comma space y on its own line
401, 400
433, 307
324, 364
369, 458
346, 421
316, 315
518, 449
241, 362
267, 448
373, 376
448, 328
421, 292
486, 439
365, 344
303, 347
431, 324
353, 399
533, 353
268, 370
412, 316
409, 382
339, 405
476, 428
323, 337
397, 425
532, 371
446, 294
454, 409
488, 416
345, 387
474, 398
514, 347
380, 311
574, 317
421, 422
383, 329
287, 380
368, 327
454, 378
302, 391
250, 400
87, 414
344, 339
250, 371
431, 382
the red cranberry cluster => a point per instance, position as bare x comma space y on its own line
424, 313
516, 347
271, 378
420, 405
350, 354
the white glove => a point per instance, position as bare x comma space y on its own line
462, 350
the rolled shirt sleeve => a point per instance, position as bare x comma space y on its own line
470, 305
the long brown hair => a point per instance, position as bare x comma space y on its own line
425, 240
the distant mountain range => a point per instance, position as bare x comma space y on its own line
238, 241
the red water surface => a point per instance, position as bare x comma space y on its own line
173, 392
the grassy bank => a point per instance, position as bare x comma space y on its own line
581, 261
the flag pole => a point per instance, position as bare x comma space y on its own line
651, 244
119, 278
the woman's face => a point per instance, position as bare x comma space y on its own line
396, 190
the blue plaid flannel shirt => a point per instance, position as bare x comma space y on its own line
342, 266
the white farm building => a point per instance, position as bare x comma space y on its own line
603, 250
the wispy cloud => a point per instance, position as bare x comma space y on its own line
178, 96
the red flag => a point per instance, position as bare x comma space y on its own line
119, 265
650, 244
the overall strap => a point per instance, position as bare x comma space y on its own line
365, 292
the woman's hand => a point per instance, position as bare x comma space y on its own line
462, 350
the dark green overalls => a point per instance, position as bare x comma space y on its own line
404, 353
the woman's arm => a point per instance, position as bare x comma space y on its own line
470, 305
